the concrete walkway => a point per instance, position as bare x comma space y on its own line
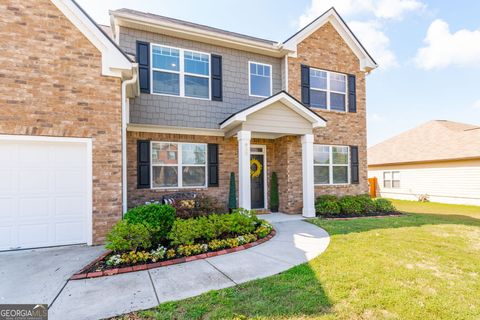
296, 242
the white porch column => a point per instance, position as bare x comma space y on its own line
244, 200
307, 176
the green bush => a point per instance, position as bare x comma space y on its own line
368, 205
327, 207
127, 236
351, 205
326, 197
384, 205
188, 231
156, 217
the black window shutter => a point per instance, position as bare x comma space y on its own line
354, 175
143, 164
143, 59
305, 81
352, 94
217, 94
212, 165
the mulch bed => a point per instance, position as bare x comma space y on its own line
370, 215
98, 268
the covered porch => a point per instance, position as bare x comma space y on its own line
275, 135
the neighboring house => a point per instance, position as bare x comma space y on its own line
83, 137
439, 158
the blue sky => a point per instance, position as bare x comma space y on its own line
428, 51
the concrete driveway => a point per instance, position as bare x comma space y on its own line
40, 276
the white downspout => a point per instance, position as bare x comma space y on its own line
124, 134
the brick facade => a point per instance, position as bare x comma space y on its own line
325, 49
51, 85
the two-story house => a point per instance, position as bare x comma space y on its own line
214, 102
95, 120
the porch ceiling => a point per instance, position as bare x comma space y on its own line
274, 117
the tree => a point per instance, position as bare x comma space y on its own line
274, 193
232, 196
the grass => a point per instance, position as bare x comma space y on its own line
424, 265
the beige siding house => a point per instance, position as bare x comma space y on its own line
440, 159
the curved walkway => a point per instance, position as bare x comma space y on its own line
296, 242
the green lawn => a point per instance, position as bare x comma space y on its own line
418, 266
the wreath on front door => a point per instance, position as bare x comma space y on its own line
254, 163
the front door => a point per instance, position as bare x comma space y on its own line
257, 176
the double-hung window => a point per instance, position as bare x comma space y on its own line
391, 179
178, 165
260, 79
331, 164
180, 72
328, 90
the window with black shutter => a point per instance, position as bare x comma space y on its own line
217, 92
143, 164
143, 60
213, 165
354, 174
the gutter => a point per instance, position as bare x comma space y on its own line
124, 133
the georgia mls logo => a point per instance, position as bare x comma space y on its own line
23, 312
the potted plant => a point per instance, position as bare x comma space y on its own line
274, 193
232, 196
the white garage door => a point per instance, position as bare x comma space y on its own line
44, 192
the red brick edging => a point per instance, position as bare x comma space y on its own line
82, 274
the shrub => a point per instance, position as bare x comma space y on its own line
133, 257
216, 244
127, 236
188, 231
368, 205
232, 193
263, 230
326, 197
351, 205
274, 193
384, 205
327, 207
171, 253
156, 217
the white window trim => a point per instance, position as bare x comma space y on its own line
179, 166
330, 166
328, 90
249, 81
391, 180
181, 72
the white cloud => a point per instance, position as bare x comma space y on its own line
376, 41
385, 9
396, 9
370, 32
444, 48
476, 104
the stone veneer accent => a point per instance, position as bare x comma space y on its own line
51, 85
325, 49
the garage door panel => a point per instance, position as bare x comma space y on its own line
70, 206
67, 156
33, 235
44, 193
6, 237
32, 181
34, 155
70, 232
36, 208
7, 209
69, 181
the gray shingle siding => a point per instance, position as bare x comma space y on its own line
195, 113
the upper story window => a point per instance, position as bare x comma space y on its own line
328, 90
391, 179
260, 79
331, 164
180, 72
